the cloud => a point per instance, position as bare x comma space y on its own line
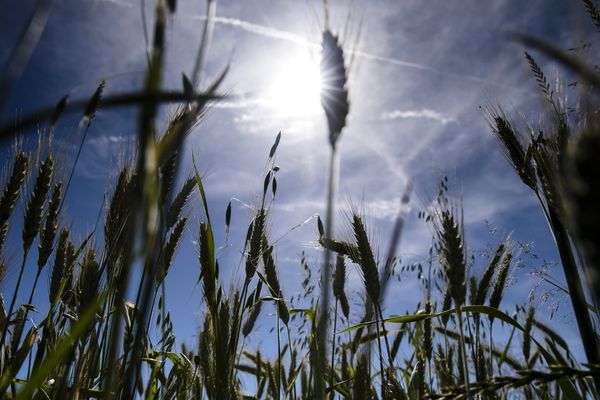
263, 30
302, 41
123, 3
424, 113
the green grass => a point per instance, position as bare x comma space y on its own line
94, 343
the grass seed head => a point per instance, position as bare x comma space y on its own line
339, 281
451, 250
334, 91
497, 292
48, 234
89, 280
11, 193
180, 201
33, 213
514, 148
256, 235
367, 264
273, 280
166, 256
486, 279
57, 278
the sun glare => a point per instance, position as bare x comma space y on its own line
295, 88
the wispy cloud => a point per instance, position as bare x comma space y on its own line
424, 113
302, 41
123, 3
263, 30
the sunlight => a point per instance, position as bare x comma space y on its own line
295, 88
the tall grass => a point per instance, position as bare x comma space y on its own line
95, 342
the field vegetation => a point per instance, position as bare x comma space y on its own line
94, 342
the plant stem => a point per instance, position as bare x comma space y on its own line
463, 352
14, 297
378, 333
325, 278
582, 316
333, 349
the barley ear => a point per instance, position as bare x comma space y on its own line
48, 234
339, 282
367, 264
273, 280
251, 320
33, 213
527, 333
57, 278
514, 149
334, 92
486, 280
166, 257
180, 201
451, 250
256, 234
89, 280
11, 192
593, 12
446, 304
540, 77
498, 290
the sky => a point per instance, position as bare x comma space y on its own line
420, 72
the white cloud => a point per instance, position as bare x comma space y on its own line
424, 113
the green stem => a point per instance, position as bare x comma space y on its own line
463, 352
278, 356
14, 298
325, 278
582, 316
331, 395
378, 333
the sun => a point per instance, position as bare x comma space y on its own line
295, 88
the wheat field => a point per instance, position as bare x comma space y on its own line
104, 329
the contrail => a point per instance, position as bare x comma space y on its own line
264, 31
301, 41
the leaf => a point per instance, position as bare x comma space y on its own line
560, 56
274, 147
274, 187
65, 345
565, 384
414, 382
15, 365
320, 226
307, 311
421, 316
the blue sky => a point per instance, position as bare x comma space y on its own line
420, 72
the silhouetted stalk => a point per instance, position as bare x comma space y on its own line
292, 356
278, 355
385, 338
325, 276
463, 352
582, 316
380, 356
333, 349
